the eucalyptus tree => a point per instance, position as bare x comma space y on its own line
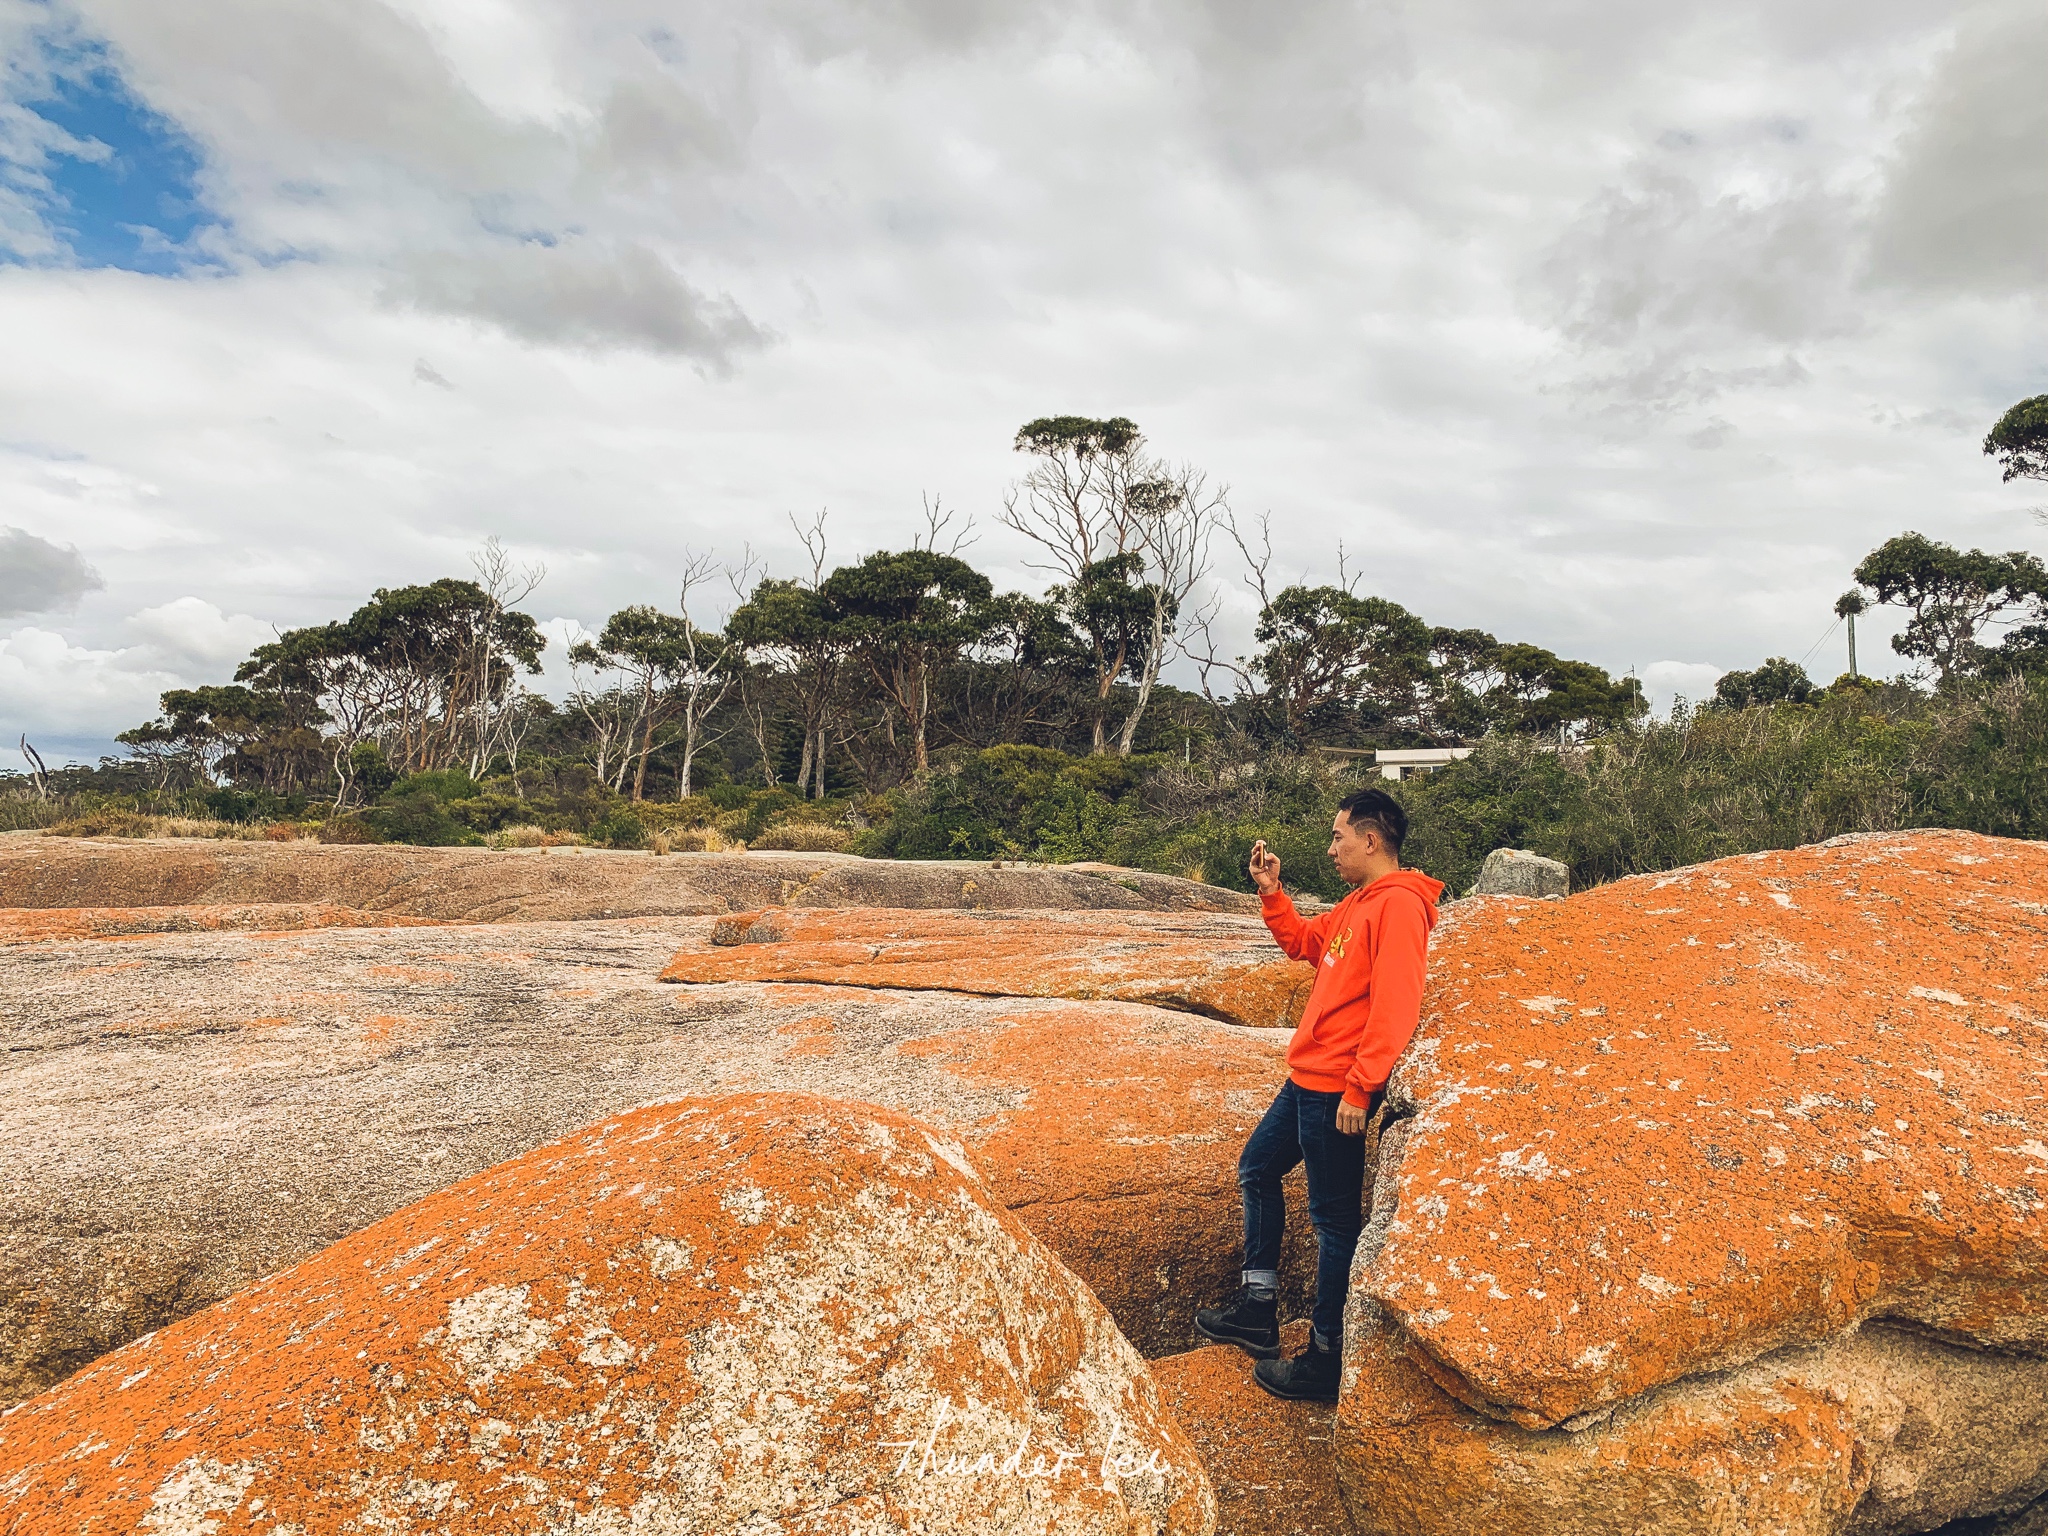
2019, 440
676, 673
794, 626
905, 616
1176, 514
423, 671
1953, 595
1125, 538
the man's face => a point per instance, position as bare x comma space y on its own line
1352, 849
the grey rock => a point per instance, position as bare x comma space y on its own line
182, 1114
485, 885
1518, 872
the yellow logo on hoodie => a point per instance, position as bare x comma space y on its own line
1336, 950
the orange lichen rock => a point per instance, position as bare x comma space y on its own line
1880, 1430
1781, 1117
1272, 1463
1118, 1144
1221, 966
186, 1113
761, 1312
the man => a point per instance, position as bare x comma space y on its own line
1370, 953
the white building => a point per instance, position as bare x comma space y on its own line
1401, 762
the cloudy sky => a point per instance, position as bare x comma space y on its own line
1623, 328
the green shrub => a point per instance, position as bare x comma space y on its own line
618, 828
491, 812
371, 773
1012, 801
348, 829
1070, 823
665, 815
759, 809
442, 783
1713, 782
418, 816
429, 810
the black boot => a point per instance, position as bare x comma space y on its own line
1252, 1325
1311, 1376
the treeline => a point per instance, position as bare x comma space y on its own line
850, 678
899, 705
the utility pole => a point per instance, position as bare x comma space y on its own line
1847, 606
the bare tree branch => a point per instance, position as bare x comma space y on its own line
936, 520
1257, 565
813, 540
1076, 507
1175, 516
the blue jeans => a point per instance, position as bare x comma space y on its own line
1301, 1127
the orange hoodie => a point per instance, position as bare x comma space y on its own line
1371, 955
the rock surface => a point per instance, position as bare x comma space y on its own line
550, 884
1719, 1190
1272, 1464
1214, 965
181, 1114
743, 1314
1877, 1432
2030, 1521
1518, 872
36, 925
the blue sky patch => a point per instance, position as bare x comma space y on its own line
131, 199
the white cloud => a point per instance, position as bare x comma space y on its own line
1665, 681
1966, 197
37, 576
579, 293
50, 687
1618, 328
194, 635
65, 695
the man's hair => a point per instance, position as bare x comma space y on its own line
1379, 810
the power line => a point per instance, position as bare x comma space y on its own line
1823, 640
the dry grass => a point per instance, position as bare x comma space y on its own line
532, 837
136, 824
701, 840
805, 837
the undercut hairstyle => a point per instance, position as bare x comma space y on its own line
1379, 810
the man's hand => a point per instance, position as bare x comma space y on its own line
1264, 868
1350, 1118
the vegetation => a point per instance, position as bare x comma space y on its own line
900, 706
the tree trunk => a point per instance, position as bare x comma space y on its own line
1151, 674
646, 746
920, 762
1106, 681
